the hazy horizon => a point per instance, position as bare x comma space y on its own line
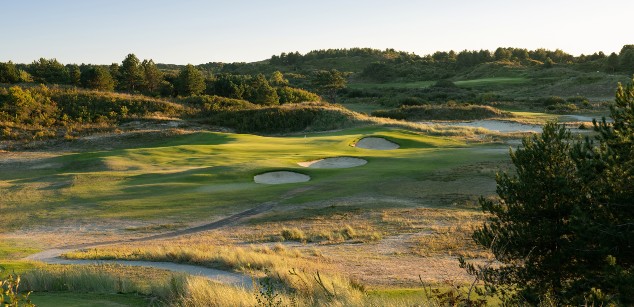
241, 31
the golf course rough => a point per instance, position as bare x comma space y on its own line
280, 177
335, 162
376, 143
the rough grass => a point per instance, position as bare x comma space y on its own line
492, 81
291, 277
442, 112
425, 84
327, 235
417, 84
219, 257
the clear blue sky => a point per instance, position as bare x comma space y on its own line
188, 31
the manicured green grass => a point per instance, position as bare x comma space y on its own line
417, 84
69, 299
492, 81
423, 84
199, 176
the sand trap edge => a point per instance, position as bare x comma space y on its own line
334, 162
280, 177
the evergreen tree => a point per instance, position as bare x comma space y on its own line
114, 71
563, 228
626, 61
9, 73
49, 71
261, 92
153, 77
74, 74
607, 173
277, 79
612, 62
502, 54
190, 81
329, 82
548, 63
130, 74
97, 78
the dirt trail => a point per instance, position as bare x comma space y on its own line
52, 256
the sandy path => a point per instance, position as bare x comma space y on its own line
52, 256
225, 277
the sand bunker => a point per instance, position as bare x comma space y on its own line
338, 162
376, 144
280, 177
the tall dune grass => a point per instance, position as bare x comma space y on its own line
294, 278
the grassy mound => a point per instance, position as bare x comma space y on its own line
37, 112
442, 112
312, 116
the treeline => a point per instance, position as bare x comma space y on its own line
295, 58
464, 58
441, 64
144, 77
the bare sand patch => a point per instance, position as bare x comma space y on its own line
376, 144
280, 177
336, 162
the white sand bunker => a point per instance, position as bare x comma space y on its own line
280, 177
338, 162
376, 144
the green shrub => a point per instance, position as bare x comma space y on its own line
577, 99
549, 101
282, 119
562, 108
289, 94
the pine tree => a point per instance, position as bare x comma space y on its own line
74, 74
612, 62
607, 172
277, 79
261, 92
190, 81
9, 73
563, 228
97, 78
153, 77
329, 82
130, 74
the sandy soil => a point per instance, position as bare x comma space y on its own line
280, 177
376, 144
338, 162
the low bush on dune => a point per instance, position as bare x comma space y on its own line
37, 112
442, 112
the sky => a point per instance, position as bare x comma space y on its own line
196, 32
